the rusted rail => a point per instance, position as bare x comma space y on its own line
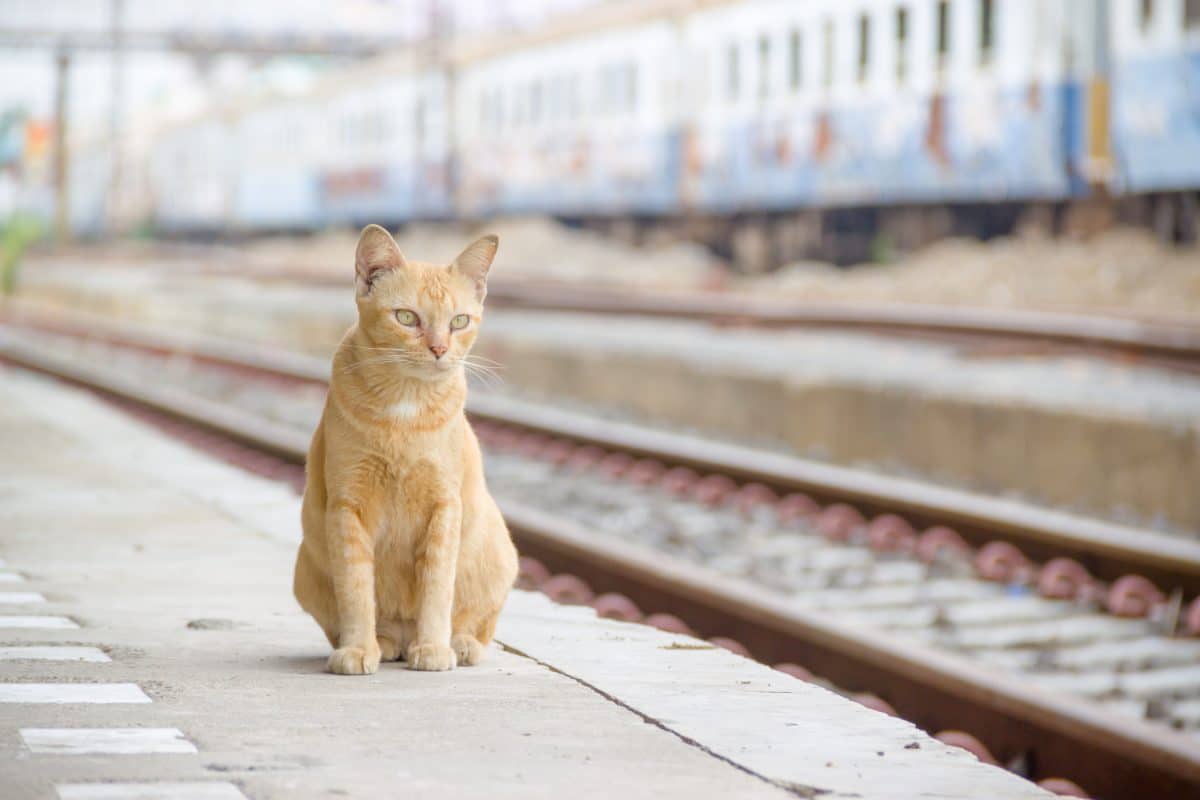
1116, 758
1171, 345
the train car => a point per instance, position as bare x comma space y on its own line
841, 118
1155, 106
879, 102
89, 184
273, 180
1155, 69
387, 157
581, 123
191, 176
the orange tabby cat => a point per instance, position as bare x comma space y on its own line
405, 554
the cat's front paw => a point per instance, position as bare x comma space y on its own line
467, 649
431, 657
389, 648
355, 660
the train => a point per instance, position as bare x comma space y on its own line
777, 128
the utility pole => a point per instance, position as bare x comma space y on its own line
444, 37
117, 101
429, 57
62, 198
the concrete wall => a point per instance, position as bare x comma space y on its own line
1112, 466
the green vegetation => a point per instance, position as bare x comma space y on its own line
883, 248
16, 234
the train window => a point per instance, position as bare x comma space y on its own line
535, 102
573, 105
901, 44
987, 29
1191, 14
764, 67
733, 77
631, 87
943, 31
555, 100
864, 47
702, 78
827, 53
795, 60
1146, 13
419, 115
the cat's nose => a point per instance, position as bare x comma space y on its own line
438, 350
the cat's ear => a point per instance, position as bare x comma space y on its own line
475, 261
377, 253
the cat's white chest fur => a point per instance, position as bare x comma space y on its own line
403, 409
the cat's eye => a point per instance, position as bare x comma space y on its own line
459, 322
406, 317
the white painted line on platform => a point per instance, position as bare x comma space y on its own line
72, 693
106, 741
53, 653
21, 598
37, 622
149, 791
11, 577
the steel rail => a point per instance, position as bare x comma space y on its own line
1060, 735
1107, 550
1172, 345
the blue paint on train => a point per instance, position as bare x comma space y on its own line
633, 174
1074, 138
278, 199
1156, 122
1015, 127
393, 192
958, 148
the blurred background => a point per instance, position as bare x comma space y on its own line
868, 167
888, 308
729, 139
751, 164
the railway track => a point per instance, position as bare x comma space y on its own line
1045, 734
1174, 346
985, 331
982, 332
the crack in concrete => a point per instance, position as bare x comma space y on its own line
797, 789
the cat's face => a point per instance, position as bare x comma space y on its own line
421, 318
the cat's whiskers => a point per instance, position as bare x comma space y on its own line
481, 359
476, 369
483, 370
487, 376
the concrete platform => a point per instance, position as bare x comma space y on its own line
177, 567
1120, 442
